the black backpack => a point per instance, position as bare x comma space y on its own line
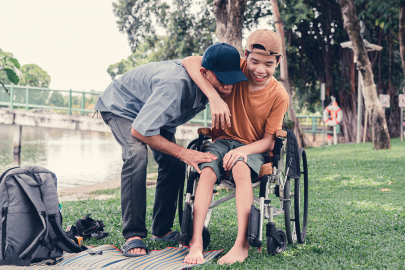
30, 227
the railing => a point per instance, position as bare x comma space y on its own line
29, 97
316, 120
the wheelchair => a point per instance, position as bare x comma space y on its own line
273, 180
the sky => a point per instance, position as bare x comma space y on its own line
73, 40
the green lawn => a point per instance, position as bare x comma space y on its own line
352, 223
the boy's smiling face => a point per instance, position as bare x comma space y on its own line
260, 69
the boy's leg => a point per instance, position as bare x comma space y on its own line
244, 199
202, 202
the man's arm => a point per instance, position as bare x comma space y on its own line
258, 147
188, 156
219, 109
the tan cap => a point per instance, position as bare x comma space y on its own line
270, 40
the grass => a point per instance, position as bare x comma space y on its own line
352, 223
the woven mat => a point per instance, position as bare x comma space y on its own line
112, 258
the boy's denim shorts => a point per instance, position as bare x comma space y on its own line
221, 147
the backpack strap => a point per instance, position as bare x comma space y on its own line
62, 238
26, 254
50, 197
4, 174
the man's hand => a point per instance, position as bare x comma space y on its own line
231, 157
193, 158
219, 112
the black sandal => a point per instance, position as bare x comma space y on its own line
136, 243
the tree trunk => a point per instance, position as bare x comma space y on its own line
229, 19
284, 79
402, 37
381, 138
347, 96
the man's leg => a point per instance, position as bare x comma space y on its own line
171, 173
244, 199
133, 178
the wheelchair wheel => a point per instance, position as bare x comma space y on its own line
301, 198
296, 210
273, 247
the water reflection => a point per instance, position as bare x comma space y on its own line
76, 157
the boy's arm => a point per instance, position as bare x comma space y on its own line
261, 146
219, 109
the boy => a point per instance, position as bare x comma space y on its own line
257, 108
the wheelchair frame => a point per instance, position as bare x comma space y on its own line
275, 183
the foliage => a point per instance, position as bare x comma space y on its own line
186, 33
313, 32
349, 216
10, 66
33, 75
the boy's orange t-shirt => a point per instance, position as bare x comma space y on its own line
253, 113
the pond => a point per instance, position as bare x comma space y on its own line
76, 157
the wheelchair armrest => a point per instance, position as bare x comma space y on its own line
266, 169
205, 131
281, 133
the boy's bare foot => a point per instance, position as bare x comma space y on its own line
195, 254
238, 253
136, 250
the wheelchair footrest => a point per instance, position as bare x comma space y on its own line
254, 227
186, 226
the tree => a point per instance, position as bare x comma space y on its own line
402, 37
284, 79
33, 75
10, 68
313, 30
229, 21
381, 138
186, 33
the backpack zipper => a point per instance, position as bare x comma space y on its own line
3, 229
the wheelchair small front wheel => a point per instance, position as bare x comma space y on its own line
273, 248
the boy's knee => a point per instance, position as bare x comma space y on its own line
208, 175
240, 169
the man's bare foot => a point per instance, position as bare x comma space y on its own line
195, 254
136, 250
238, 253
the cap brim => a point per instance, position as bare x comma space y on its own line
231, 77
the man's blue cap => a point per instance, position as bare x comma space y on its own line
224, 61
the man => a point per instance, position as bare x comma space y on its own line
257, 107
144, 107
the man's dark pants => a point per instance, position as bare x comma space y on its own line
133, 181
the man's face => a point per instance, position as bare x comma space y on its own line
222, 88
260, 68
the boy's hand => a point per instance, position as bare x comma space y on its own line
220, 113
231, 157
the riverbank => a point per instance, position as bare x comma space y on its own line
89, 191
